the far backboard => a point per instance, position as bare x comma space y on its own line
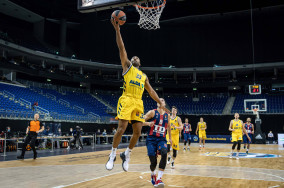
260, 104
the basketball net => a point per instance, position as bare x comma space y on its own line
255, 112
150, 13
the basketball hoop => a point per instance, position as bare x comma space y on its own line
255, 111
150, 13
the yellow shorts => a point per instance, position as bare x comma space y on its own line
167, 137
129, 108
175, 140
202, 135
237, 136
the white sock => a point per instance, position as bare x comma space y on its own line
113, 151
200, 146
232, 152
173, 161
160, 174
127, 152
247, 149
169, 156
237, 154
153, 172
203, 145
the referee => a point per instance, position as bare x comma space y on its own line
33, 129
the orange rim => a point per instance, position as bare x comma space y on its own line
152, 7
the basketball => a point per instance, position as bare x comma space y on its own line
119, 16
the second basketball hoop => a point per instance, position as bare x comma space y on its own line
150, 13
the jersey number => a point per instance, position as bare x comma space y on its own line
159, 129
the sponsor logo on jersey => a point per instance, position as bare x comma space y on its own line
134, 82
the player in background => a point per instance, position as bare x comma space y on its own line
250, 130
237, 127
176, 127
186, 134
201, 129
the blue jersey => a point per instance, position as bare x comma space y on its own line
186, 128
248, 127
160, 125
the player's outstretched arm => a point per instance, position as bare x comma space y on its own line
169, 133
180, 127
148, 116
230, 126
154, 95
122, 52
197, 128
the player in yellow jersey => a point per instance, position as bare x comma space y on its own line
237, 127
130, 105
176, 127
201, 129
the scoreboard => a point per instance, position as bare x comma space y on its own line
254, 89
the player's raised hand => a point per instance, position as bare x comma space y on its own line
166, 110
151, 124
115, 24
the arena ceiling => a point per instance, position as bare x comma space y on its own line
57, 9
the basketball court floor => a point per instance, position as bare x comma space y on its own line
210, 167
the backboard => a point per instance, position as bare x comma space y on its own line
250, 104
85, 6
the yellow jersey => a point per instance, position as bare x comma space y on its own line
174, 122
238, 126
201, 126
134, 82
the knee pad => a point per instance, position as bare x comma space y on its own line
239, 145
234, 145
163, 162
153, 160
164, 152
174, 153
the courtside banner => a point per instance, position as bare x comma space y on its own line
213, 138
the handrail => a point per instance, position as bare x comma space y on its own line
78, 108
9, 94
48, 95
25, 102
40, 109
62, 101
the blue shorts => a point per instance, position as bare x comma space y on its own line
246, 140
155, 144
186, 136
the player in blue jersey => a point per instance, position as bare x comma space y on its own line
156, 141
186, 134
250, 130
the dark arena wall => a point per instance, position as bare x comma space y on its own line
217, 124
221, 39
